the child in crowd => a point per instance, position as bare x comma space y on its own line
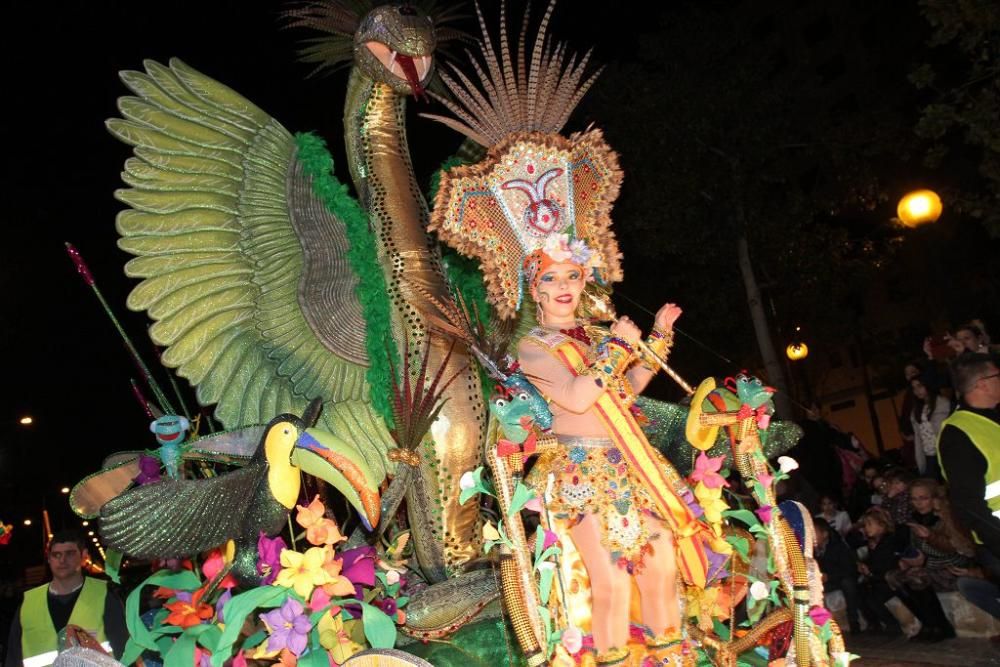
881, 558
830, 511
839, 566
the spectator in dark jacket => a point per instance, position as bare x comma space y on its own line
839, 566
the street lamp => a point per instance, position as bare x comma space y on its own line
797, 351
27, 522
26, 420
919, 207
64, 490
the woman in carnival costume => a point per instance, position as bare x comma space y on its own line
535, 212
621, 504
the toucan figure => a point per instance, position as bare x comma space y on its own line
179, 518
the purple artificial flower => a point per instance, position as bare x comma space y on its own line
226, 596
149, 470
269, 557
613, 455
389, 606
716, 564
358, 565
289, 627
692, 503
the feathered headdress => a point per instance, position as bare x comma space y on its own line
535, 188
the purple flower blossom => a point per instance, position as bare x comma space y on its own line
149, 470
289, 627
613, 455
269, 557
388, 605
358, 565
220, 603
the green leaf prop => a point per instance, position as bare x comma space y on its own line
181, 654
113, 564
184, 580
380, 630
744, 516
479, 486
740, 545
720, 629
315, 657
545, 583
522, 494
236, 611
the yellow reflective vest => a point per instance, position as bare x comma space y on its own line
984, 434
39, 638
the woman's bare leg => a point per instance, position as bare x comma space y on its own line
657, 582
610, 586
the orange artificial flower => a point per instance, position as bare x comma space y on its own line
338, 585
324, 532
311, 514
186, 614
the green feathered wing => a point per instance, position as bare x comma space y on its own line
244, 268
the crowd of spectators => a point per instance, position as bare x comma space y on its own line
923, 523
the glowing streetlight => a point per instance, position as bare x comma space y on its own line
919, 207
26, 421
27, 522
64, 490
797, 351
91, 533
86, 523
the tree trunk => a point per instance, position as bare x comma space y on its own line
775, 372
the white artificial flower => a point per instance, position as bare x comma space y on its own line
572, 640
392, 577
546, 565
759, 590
787, 464
468, 481
556, 246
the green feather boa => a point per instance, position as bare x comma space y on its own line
371, 290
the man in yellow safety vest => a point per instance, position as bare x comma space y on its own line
69, 599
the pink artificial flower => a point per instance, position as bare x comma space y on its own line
820, 615
764, 512
572, 640
706, 471
766, 479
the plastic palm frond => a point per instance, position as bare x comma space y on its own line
508, 95
489, 342
416, 402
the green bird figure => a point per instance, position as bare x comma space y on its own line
179, 518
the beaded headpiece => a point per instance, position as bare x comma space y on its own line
536, 190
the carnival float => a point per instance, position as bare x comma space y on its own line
432, 448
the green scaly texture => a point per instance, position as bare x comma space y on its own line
371, 290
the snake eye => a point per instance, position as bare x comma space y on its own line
523, 396
499, 402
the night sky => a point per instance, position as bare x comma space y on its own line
66, 366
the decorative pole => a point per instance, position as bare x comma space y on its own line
84, 271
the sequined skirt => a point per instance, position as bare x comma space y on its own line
591, 476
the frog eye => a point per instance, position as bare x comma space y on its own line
757, 382
523, 396
500, 403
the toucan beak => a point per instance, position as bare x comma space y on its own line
336, 462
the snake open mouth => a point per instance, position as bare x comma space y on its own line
412, 69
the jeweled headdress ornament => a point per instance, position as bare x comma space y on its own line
535, 188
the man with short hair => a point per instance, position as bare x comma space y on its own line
70, 598
969, 450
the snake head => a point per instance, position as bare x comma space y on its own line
394, 45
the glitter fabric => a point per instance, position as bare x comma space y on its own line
665, 431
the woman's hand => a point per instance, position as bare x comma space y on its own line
626, 329
923, 532
667, 315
